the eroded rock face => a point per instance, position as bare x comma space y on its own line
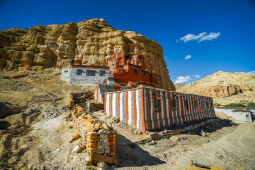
233, 87
90, 42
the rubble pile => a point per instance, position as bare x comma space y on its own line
97, 137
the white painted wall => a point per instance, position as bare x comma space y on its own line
72, 77
239, 116
65, 74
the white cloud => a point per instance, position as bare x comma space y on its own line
200, 37
182, 79
187, 57
251, 73
190, 37
197, 76
210, 36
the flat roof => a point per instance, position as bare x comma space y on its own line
155, 88
89, 66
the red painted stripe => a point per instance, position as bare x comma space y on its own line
149, 103
105, 99
183, 116
208, 108
188, 105
160, 113
170, 108
111, 103
193, 106
135, 110
119, 105
175, 111
202, 106
191, 109
127, 107
166, 119
86, 135
199, 108
205, 107
178, 109
143, 112
97, 93
156, 115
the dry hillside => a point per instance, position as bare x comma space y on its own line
224, 87
34, 134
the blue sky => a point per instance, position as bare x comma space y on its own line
222, 32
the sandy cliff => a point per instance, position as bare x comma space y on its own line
90, 41
224, 87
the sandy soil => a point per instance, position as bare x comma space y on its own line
36, 135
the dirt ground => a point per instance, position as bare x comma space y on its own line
34, 134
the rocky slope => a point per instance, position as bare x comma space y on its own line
90, 42
224, 87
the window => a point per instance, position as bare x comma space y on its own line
122, 70
79, 72
102, 73
157, 105
173, 105
134, 71
186, 104
195, 104
247, 116
91, 72
66, 71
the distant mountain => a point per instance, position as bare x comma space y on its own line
224, 87
179, 85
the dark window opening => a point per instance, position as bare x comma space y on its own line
91, 72
186, 104
173, 105
134, 71
195, 103
127, 57
79, 72
72, 61
66, 71
157, 106
122, 70
102, 73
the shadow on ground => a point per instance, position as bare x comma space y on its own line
211, 126
130, 154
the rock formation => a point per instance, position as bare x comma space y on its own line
233, 87
89, 42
